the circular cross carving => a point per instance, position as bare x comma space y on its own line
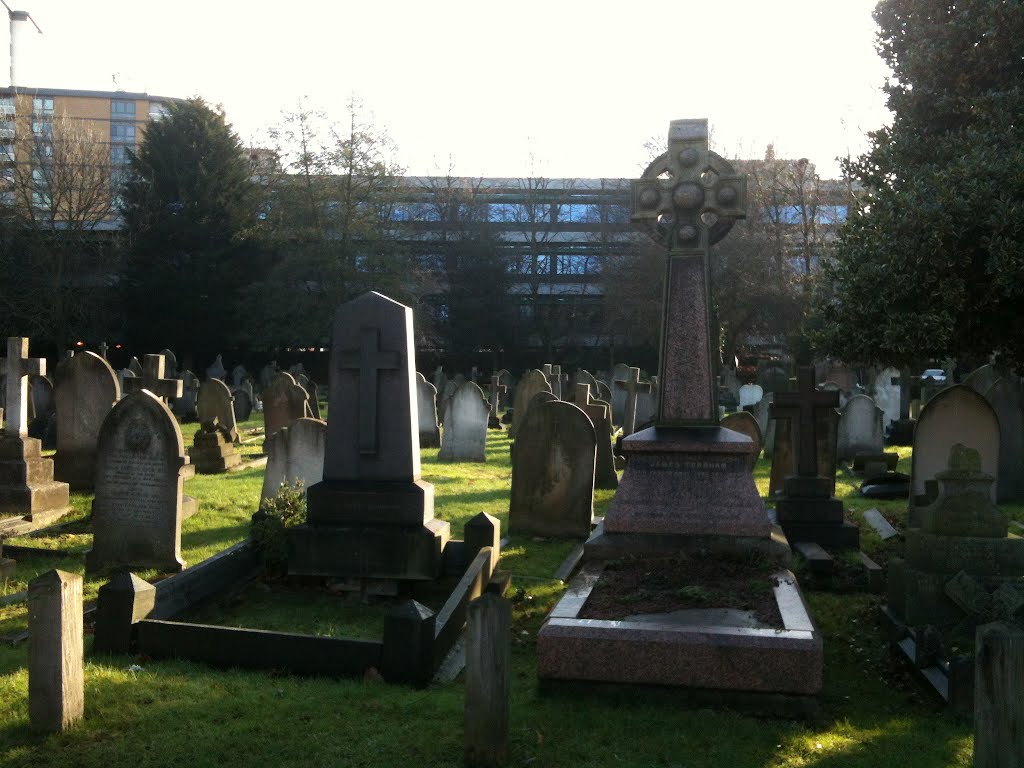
687, 233
688, 157
688, 196
726, 195
667, 220
650, 198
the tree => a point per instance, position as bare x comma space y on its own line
56, 250
190, 209
932, 264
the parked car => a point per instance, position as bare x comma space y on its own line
935, 373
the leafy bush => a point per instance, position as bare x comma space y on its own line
282, 510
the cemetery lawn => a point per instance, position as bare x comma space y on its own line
141, 712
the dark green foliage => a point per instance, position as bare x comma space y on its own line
190, 209
933, 264
283, 510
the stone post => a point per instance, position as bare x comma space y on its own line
481, 531
123, 602
56, 686
488, 681
998, 701
408, 656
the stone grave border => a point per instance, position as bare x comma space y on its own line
415, 643
655, 653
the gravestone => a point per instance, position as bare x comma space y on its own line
170, 362
216, 369
506, 379
750, 394
773, 378
284, 401
426, 405
807, 509
497, 390
85, 391
531, 383
215, 402
760, 411
372, 516
295, 452
620, 374
860, 428
213, 450
488, 682
744, 423
56, 667
27, 487
154, 380
604, 394
135, 367
647, 405
238, 375
599, 412
584, 377
42, 411
981, 379
727, 378
1006, 396
465, 426
185, 405
242, 402
957, 414
558, 381
632, 387
137, 512
886, 392
267, 374
553, 472
313, 397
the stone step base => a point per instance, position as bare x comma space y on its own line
829, 536
34, 499
26, 471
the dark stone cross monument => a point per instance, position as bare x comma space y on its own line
806, 510
633, 386
372, 516
153, 379
497, 390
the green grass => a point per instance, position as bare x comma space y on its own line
182, 713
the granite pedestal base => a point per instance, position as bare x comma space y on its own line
709, 658
807, 512
212, 454
27, 487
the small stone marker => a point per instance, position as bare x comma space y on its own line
426, 400
295, 453
465, 426
750, 394
998, 703
883, 527
860, 428
633, 387
488, 681
56, 679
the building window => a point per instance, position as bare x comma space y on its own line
573, 264
502, 212
118, 154
6, 152
520, 265
6, 105
40, 200
122, 132
123, 110
42, 128
831, 214
543, 265
42, 105
158, 111
578, 213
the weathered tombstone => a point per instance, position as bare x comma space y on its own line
238, 375
619, 374
135, 367
56, 677
998, 704
242, 403
295, 453
584, 377
807, 510
886, 392
426, 405
465, 426
313, 397
85, 391
760, 413
284, 401
955, 415
744, 423
981, 379
497, 390
171, 362
213, 450
297, 370
27, 487
553, 472
604, 394
215, 402
488, 681
860, 428
372, 516
267, 374
42, 411
631, 386
1006, 396
599, 412
647, 405
530, 384
445, 396
154, 380
137, 512
750, 394
216, 369
185, 405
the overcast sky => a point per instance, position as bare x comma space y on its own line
579, 86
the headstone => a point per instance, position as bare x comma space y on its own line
465, 426
56, 677
27, 487
882, 527
213, 450
153, 379
185, 405
216, 403
238, 375
530, 384
750, 394
426, 405
599, 412
295, 452
1006, 396
647, 405
728, 379
135, 367
267, 374
497, 390
620, 373
998, 705
553, 472
242, 403
744, 423
313, 397
216, 369
85, 391
297, 370
42, 411
981, 379
584, 377
170, 362
773, 378
860, 428
603, 393
632, 387
372, 516
137, 514
887, 395
955, 415
284, 401
767, 426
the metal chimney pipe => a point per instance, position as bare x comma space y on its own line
16, 17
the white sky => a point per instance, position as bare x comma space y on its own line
580, 85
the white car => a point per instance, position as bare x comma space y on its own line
935, 373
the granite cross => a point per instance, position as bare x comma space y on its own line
688, 199
632, 385
802, 406
497, 390
152, 379
19, 367
368, 361
598, 412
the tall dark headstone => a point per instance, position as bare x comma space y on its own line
372, 516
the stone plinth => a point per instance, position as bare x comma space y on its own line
807, 511
27, 487
213, 451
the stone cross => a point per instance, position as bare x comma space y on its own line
103, 349
497, 390
153, 379
368, 360
897, 381
558, 381
19, 367
632, 385
802, 407
688, 199
597, 412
